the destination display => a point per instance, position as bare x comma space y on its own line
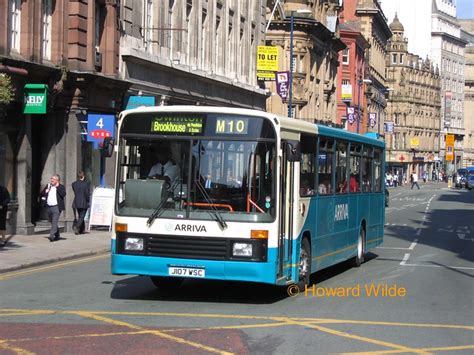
177, 125
196, 125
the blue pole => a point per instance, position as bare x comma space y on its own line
290, 109
358, 105
102, 169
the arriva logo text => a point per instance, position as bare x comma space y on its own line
341, 212
189, 228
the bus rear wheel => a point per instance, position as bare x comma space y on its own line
166, 283
359, 258
304, 267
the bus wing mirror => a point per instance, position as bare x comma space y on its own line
293, 151
108, 147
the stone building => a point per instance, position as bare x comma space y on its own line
467, 34
351, 97
316, 43
373, 25
413, 121
90, 56
200, 52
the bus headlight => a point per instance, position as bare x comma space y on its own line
242, 249
134, 244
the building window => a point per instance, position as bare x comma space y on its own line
394, 58
148, 25
345, 56
47, 15
15, 7
401, 58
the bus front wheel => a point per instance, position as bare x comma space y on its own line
166, 283
304, 264
359, 258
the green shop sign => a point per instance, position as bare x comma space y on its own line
35, 99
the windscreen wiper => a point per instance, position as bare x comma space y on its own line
214, 212
160, 206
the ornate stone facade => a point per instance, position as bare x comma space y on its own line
413, 123
316, 45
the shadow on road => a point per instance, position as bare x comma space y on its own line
141, 288
447, 227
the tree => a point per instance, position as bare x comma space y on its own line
6, 90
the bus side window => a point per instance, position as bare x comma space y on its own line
378, 170
355, 157
325, 164
366, 169
307, 165
341, 167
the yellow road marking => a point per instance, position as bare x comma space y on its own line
392, 324
20, 351
12, 274
154, 332
313, 323
235, 316
358, 337
447, 348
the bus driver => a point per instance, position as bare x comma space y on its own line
165, 167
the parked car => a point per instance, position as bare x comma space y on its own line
469, 184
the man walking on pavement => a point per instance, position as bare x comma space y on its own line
53, 194
414, 180
81, 189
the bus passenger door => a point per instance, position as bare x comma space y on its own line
286, 195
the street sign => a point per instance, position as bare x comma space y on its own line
35, 99
449, 147
372, 119
102, 207
139, 101
282, 84
267, 62
99, 127
350, 114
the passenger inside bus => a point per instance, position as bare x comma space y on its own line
324, 187
353, 183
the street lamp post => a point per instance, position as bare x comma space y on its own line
290, 94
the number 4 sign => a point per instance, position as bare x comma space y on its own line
100, 127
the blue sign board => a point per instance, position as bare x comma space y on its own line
138, 101
100, 127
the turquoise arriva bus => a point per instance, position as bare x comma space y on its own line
251, 197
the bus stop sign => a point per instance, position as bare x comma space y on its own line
100, 127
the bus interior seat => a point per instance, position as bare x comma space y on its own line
144, 193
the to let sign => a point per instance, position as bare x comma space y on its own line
267, 62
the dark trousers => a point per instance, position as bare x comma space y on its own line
53, 217
415, 183
80, 224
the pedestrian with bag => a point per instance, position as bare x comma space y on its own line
53, 195
4, 201
80, 204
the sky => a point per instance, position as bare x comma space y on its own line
465, 9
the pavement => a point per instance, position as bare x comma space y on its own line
24, 251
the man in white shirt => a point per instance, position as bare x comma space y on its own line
166, 168
53, 194
414, 180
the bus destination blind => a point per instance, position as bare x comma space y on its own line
177, 125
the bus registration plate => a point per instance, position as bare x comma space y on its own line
186, 272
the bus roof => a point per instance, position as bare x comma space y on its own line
284, 122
